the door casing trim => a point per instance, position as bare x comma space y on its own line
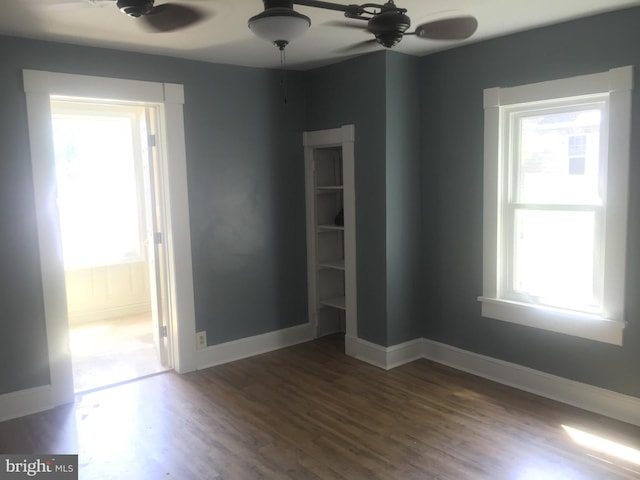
38, 87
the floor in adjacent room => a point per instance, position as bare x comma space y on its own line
112, 351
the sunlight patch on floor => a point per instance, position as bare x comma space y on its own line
600, 445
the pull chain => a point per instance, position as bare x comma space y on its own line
283, 80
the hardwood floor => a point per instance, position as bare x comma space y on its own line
309, 412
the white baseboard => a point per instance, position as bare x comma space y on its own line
366, 351
599, 400
250, 346
25, 402
34, 400
587, 397
351, 345
384, 357
581, 395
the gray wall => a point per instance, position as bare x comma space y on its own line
353, 92
246, 196
452, 158
419, 223
23, 348
403, 197
379, 93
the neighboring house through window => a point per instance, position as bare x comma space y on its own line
555, 204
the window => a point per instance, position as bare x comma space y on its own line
98, 170
555, 204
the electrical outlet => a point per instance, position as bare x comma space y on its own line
201, 340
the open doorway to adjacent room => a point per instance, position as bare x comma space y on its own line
109, 195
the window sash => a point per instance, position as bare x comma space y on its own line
512, 115
509, 204
508, 256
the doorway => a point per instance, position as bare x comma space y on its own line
40, 87
109, 204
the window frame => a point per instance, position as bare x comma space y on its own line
616, 84
512, 114
134, 112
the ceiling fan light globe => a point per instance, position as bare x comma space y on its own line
279, 25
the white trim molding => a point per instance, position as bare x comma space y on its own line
591, 327
256, 345
313, 142
594, 399
383, 357
25, 402
588, 397
39, 87
610, 93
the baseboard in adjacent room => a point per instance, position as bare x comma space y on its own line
81, 317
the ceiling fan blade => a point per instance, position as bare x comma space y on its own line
357, 47
346, 24
456, 28
67, 5
170, 16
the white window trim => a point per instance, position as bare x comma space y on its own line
618, 83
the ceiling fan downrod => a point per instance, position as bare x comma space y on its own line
135, 8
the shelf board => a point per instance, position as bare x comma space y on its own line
328, 227
329, 188
336, 264
336, 302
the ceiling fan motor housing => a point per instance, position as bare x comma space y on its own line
135, 8
278, 3
389, 26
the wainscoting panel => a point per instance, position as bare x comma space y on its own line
109, 291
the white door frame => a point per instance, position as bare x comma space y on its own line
39, 86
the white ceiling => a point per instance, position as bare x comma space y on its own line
225, 38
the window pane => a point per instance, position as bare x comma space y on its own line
558, 157
554, 258
97, 195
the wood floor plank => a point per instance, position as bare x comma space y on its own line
310, 412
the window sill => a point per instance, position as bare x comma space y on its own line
577, 324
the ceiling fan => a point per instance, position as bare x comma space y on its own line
166, 17
279, 23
